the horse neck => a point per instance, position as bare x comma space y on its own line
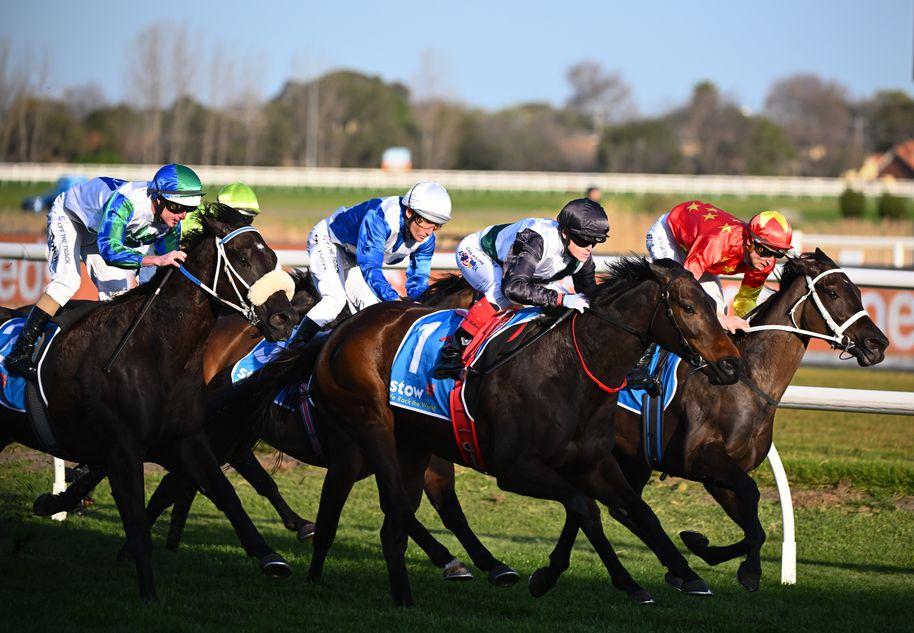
610, 351
189, 311
771, 358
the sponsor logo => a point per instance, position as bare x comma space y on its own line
403, 389
467, 260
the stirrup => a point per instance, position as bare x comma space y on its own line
21, 366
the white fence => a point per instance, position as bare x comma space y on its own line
478, 180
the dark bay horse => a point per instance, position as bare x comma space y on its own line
240, 422
718, 435
561, 448
150, 407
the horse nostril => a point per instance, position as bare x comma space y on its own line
730, 366
874, 344
279, 319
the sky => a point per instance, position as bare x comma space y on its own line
488, 54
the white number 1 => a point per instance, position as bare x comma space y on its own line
426, 331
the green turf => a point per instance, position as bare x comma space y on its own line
855, 526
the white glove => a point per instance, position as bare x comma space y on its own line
576, 302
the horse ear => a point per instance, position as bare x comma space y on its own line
664, 268
213, 226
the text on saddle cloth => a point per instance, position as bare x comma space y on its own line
12, 386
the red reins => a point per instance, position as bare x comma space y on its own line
574, 338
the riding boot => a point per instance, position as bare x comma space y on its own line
640, 375
19, 360
306, 331
450, 358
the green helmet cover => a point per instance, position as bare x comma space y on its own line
240, 197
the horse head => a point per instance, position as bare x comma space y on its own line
831, 306
247, 276
689, 326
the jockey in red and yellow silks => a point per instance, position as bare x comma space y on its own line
711, 242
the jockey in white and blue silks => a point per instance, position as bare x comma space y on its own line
109, 224
348, 250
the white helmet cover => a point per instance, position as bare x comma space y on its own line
430, 200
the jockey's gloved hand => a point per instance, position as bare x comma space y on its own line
576, 302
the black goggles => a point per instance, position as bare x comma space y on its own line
585, 241
174, 207
769, 251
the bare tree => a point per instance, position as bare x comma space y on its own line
181, 76
83, 99
437, 114
599, 94
145, 82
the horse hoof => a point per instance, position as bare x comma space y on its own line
456, 570
541, 581
275, 566
42, 505
306, 533
694, 587
641, 596
748, 578
695, 541
503, 576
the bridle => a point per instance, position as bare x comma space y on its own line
690, 355
246, 307
837, 338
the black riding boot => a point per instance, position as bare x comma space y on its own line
640, 375
450, 358
19, 360
306, 331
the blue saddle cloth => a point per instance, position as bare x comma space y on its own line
632, 399
12, 386
263, 353
412, 384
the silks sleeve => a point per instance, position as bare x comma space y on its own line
373, 235
749, 291
420, 266
171, 241
706, 251
118, 212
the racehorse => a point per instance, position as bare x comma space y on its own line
561, 448
241, 421
150, 406
718, 435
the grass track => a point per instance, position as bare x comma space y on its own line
855, 526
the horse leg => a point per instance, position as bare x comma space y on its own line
180, 510
343, 471
48, 504
250, 468
125, 476
738, 495
532, 477
197, 461
609, 485
545, 578
440, 490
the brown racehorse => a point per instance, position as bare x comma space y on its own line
718, 435
150, 407
231, 435
559, 449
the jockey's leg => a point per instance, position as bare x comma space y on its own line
109, 280
484, 275
327, 271
63, 264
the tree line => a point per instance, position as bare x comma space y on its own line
196, 108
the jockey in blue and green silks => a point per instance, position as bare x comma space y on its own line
109, 224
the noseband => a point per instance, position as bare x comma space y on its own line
246, 307
837, 338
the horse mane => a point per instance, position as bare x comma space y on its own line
624, 274
443, 288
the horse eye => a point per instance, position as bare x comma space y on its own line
244, 261
688, 309
831, 294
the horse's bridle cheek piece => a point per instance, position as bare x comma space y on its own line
245, 304
694, 358
838, 339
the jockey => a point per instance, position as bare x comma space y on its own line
515, 263
348, 249
109, 224
709, 242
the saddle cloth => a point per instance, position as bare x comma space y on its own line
412, 383
260, 355
632, 399
12, 386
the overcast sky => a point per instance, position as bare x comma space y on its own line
493, 53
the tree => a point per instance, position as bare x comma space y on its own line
816, 115
768, 151
438, 116
891, 119
645, 146
600, 95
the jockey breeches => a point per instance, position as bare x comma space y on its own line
662, 245
69, 243
481, 271
337, 277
